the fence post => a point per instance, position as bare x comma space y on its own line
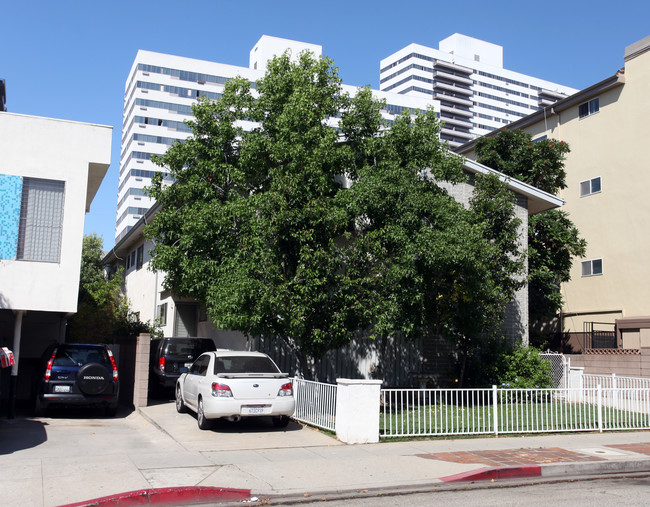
357, 410
495, 415
600, 407
576, 381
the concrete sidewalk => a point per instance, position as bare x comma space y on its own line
65, 459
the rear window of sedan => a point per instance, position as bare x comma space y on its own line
244, 364
187, 347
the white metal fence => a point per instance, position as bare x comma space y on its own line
613, 381
428, 412
315, 403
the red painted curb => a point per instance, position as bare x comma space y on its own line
167, 496
495, 473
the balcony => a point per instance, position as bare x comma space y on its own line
451, 132
455, 100
453, 88
456, 111
452, 66
452, 77
457, 122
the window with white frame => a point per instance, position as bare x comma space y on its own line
589, 108
588, 187
41, 220
162, 314
592, 267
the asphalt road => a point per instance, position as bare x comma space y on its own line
606, 492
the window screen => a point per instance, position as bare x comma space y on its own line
41, 220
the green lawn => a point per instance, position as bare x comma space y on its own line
514, 416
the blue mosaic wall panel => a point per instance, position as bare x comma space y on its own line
10, 193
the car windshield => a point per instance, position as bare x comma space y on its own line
187, 347
78, 355
245, 364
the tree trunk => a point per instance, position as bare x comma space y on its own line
463, 363
306, 364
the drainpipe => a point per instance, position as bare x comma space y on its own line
18, 325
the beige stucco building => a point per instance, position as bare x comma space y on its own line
607, 129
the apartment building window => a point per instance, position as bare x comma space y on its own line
589, 187
41, 220
162, 314
589, 108
592, 267
139, 257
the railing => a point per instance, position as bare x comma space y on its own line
429, 412
613, 381
315, 403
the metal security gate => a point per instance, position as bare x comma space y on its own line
559, 369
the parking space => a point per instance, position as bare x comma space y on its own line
249, 434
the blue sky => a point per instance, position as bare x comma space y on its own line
70, 59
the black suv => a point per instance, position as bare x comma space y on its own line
169, 355
79, 375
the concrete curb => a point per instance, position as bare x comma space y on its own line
490, 474
168, 496
551, 470
596, 468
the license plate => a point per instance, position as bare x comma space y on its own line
61, 389
253, 410
187, 365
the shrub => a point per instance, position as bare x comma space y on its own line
523, 368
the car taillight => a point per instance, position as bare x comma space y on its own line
161, 364
221, 390
113, 364
48, 369
286, 390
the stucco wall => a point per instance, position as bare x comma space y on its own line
54, 150
610, 144
623, 365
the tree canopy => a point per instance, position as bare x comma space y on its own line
299, 212
553, 239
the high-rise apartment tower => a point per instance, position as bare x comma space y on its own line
476, 94
159, 93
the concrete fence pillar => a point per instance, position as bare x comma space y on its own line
141, 374
357, 411
576, 381
575, 377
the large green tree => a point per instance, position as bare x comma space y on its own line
553, 239
322, 221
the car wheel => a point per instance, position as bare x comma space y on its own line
180, 405
93, 379
281, 421
203, 423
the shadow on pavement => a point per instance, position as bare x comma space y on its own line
251, 425
19, 434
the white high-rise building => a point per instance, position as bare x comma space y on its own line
466, 75
160, 90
